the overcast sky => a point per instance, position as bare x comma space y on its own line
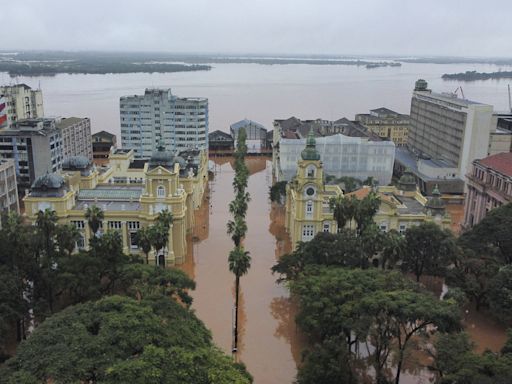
403, 27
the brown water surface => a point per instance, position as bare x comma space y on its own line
269, 341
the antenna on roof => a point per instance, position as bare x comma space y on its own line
509, 100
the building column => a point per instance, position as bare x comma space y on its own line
124, 234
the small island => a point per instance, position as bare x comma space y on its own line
474, 75
383, 64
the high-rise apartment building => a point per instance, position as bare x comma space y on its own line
21, 102
76, 137
446, 134
387, 124
35, 146
159, 117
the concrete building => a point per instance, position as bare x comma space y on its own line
489, 186
307, 201
500, 139
22, 102
8, 187
256, 134
3, 111
102, 143
446, 134
76, 137
159, 117
347, 149
387, 124
35, 146
131, 193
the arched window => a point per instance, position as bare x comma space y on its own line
160, 191
310, 171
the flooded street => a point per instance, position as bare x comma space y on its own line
269, 343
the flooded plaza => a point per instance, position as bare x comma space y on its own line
270, 343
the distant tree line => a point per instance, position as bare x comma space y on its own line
474, 75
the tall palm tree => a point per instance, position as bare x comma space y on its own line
94, 216
67, 237
343, 210
165, 218
143, 239
239, 263
238, 207
237, 228
159, 235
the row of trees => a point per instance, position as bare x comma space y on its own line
75, 308
239, 259
344, 303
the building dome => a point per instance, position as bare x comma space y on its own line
407, 181
50, 181
310, 152
435, 204
76, 163
181, 161
162, 158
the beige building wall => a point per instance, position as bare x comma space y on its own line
23, 102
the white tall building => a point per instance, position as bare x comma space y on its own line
21, 102
341, 155
159, 117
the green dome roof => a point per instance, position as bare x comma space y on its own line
310, 152
435, 202
48, 181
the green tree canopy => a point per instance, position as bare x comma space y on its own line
119, 340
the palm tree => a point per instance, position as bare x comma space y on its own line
165, 218
143, 239
67, 237
237, 228
343, 210
159, 237
238, 207
394, 243
239, 264
94, 216
365, 210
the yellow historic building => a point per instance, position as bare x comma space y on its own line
307, 198
130, 192
307, 201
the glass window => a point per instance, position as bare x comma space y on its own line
160, 191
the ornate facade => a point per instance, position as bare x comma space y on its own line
307, 201
130, 192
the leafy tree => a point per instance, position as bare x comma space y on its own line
239, 263
327, 363
277, 192
238, 207
392, 249
154, 340
500, 294
144, 241
67, 237
428, 249
474, 275
94, 216
343, 210
493, 235
365, 211
350, 183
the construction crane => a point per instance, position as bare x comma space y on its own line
461, 92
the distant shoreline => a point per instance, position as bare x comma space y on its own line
53, 63
475, 76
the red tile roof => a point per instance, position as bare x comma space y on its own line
501, 162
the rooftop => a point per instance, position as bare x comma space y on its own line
448, 98
501, 162
113, 193
245, 122
69, 121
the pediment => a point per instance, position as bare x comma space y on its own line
159, 171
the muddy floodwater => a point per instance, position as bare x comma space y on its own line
269, 342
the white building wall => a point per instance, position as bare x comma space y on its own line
342, 156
